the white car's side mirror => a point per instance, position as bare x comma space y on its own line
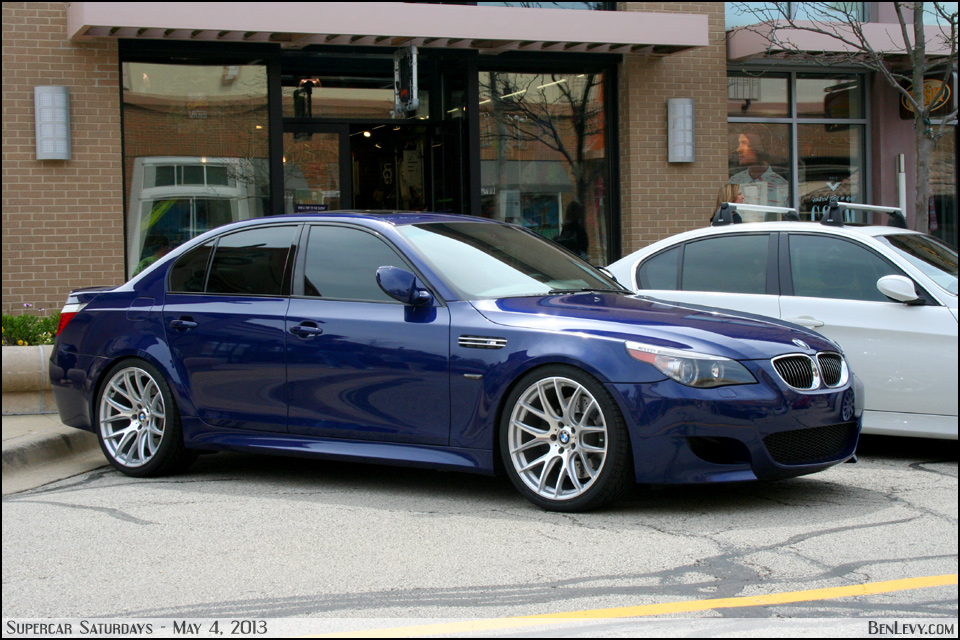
899, 288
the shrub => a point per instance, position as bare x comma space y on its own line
28, 329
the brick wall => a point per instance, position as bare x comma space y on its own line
62, 219
659, 199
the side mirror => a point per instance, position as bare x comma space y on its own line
608, 273
401, 285
899, 288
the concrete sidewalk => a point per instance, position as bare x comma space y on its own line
38, 449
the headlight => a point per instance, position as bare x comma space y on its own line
690, 368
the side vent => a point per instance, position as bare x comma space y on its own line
482, 342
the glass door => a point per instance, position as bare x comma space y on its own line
316, 168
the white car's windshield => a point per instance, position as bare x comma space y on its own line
935, 259
483, 261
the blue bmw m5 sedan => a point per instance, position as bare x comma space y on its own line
447, 342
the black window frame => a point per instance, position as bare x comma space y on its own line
300, 262
285, 285
772, 284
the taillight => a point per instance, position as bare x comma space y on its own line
72, 308
65, 318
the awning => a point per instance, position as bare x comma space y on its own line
757, 41
390, 24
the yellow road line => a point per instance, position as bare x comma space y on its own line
687, 606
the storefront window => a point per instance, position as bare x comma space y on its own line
760, 163
798, 140
831, 96
754, 96
356, 98
831, 164
195, 141
543, 161
943, 188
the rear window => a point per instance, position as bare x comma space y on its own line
727, 264
190, 270
251, 262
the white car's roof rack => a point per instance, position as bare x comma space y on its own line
834, 213
727, 213
833, 216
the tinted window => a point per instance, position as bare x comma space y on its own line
342, 264
190, 269
251, 262
834, 268
730, 264
660, 271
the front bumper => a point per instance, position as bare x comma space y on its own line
761, 431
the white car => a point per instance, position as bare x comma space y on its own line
887, 295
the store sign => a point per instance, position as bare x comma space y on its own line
310, 208
931, 89
405, 94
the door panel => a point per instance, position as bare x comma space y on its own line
232, 359
906, 356
378, 371
360, 364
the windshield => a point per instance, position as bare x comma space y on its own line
935, 259
483, 261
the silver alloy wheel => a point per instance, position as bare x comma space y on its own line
557, 438
132, 417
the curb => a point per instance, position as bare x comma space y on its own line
46, 446
26, 381
51, 454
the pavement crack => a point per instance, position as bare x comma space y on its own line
113, 513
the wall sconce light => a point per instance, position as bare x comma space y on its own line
52, 108
680, 147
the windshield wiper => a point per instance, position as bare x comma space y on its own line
554, 292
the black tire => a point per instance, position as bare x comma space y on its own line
137, 422
563, 441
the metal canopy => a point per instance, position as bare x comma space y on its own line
295, 25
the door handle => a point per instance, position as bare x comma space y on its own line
305, 330
806, 321
183, 323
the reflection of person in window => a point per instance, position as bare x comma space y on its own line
758, 182
573, 235
161, 247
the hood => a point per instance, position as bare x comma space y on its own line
656, 322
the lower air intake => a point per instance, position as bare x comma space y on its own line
810, 446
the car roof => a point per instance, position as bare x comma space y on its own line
807, 227
394, 217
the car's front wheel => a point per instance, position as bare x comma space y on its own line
138, 422
563, 441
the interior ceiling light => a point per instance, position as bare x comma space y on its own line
367, 134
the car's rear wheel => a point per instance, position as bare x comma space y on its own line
138, 422
563, 441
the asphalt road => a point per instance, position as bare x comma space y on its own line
266, 537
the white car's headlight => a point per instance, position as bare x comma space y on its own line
691, 368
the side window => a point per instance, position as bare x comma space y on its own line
341, 263
727, 264
834, 268
252, 262
660, 271
190, 270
